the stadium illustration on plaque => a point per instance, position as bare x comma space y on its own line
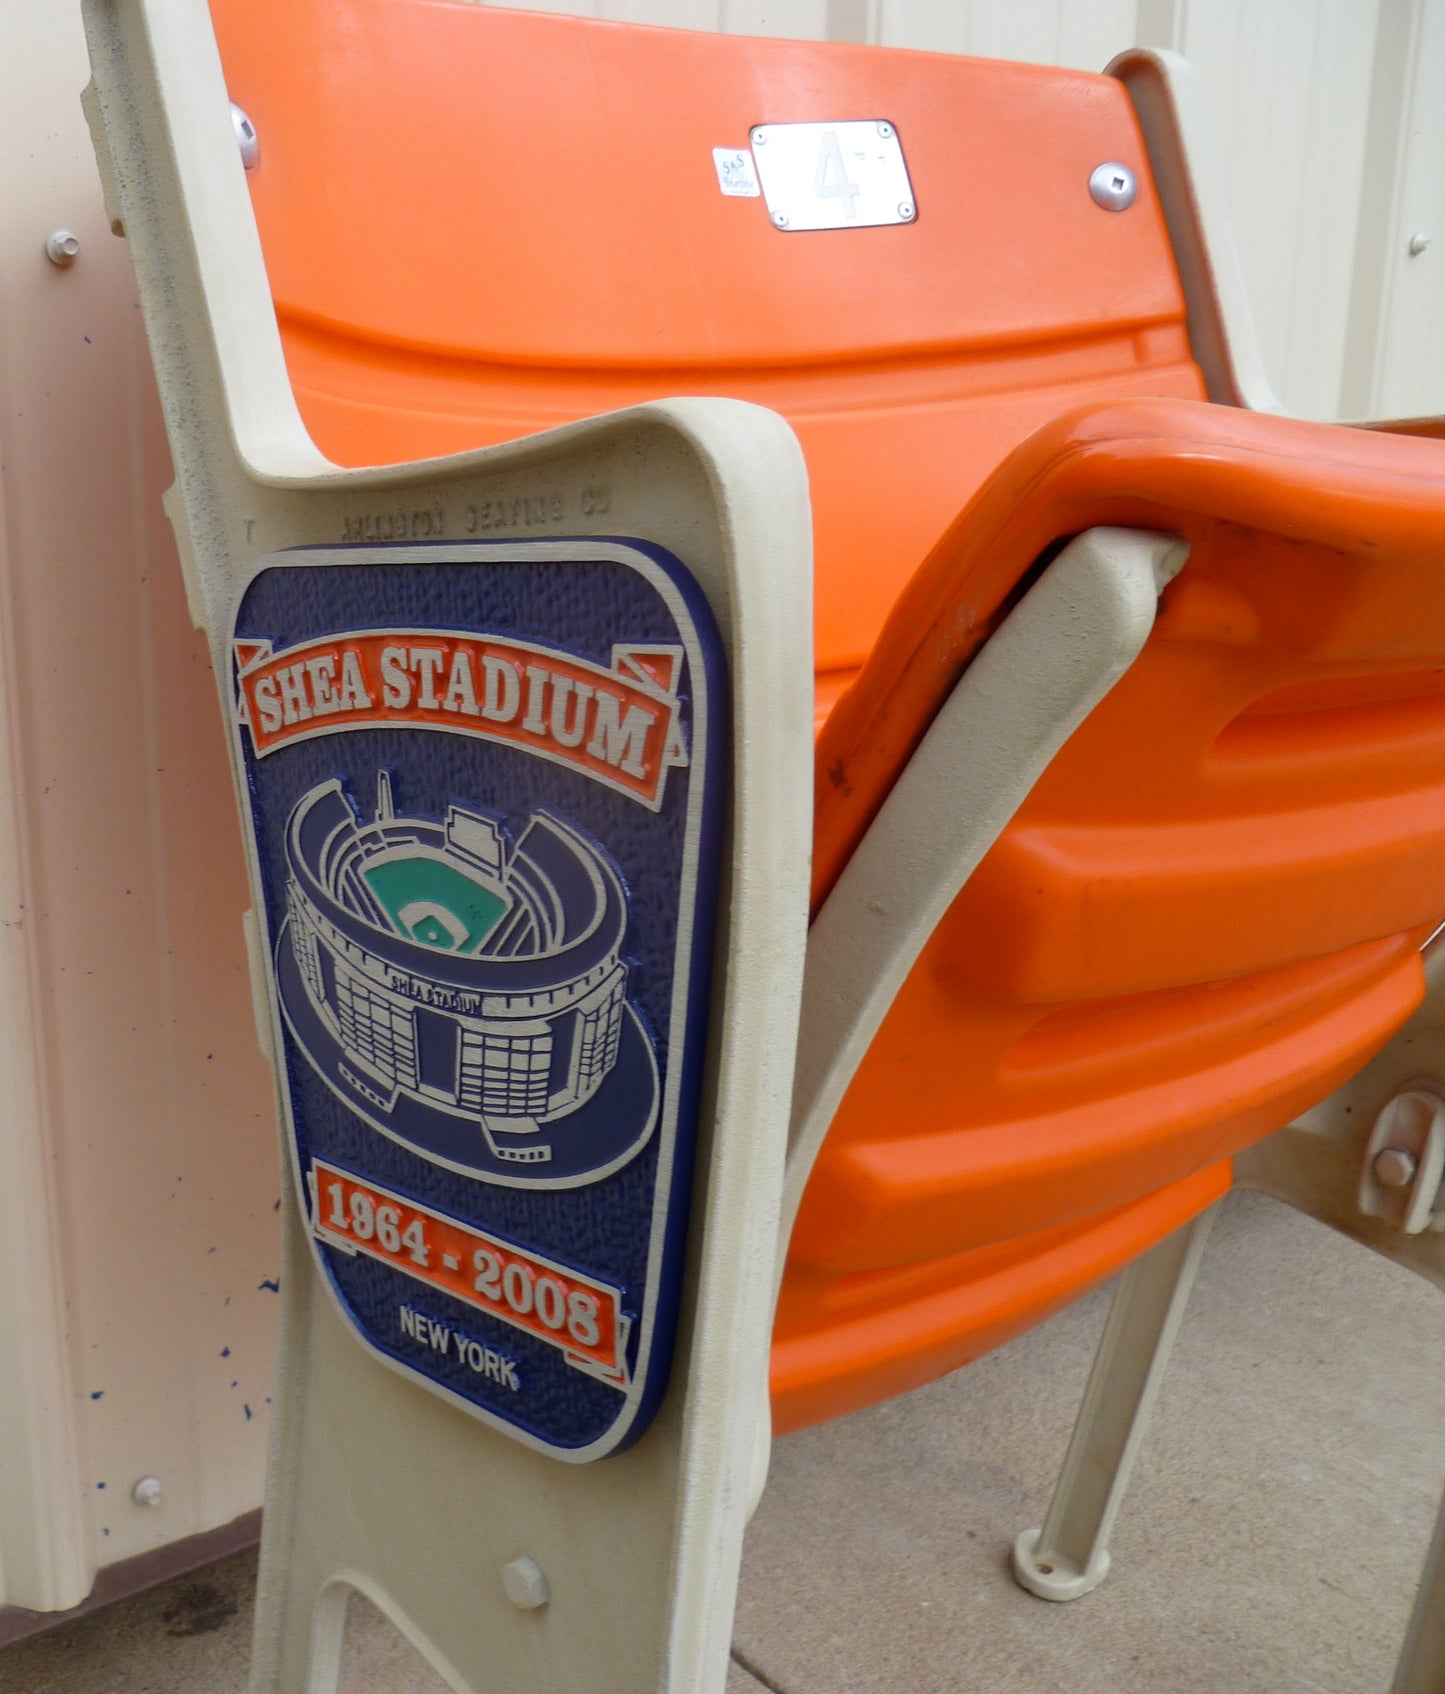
463, 989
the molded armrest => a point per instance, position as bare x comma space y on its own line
1268, 489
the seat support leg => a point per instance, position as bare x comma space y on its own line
1069, 1555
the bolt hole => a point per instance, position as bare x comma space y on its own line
1046, 1570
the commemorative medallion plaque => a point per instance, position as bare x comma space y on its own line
485, 788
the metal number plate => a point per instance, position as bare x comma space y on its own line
833, 175
484, 788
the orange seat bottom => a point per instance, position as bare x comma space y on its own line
840, 1344
949, 1139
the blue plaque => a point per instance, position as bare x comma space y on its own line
485, 787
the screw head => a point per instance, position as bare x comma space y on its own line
885, 130
526, 1584
1395, 1167
1418, 243
1113, 186
148, 1491
905, 210
758, 137
62, 247
246, 138
780, 219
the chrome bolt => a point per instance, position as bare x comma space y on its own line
148, 1491
246, 138
885, 130
1395, 1167
62, 247
780, 219
1418, 243
1113, 187
905, 210
526, 1585
758, 137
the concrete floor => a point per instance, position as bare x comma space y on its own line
1270, 1542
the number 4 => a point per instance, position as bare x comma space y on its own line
831, 180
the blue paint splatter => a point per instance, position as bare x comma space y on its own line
225, 1352
96, 1394
247, 1411
100, 1485
267, 1283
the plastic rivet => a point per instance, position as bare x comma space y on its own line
148, 1491
1419, 241
1113, 186
526, 1584
62, 247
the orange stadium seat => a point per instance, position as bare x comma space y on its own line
1173, 942
1210, 909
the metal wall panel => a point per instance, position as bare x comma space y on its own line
1288, 87
137, 1149
1395, 348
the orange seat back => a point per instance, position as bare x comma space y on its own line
479, 223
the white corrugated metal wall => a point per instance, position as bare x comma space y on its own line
136, 1178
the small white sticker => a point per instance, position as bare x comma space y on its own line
735, 172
